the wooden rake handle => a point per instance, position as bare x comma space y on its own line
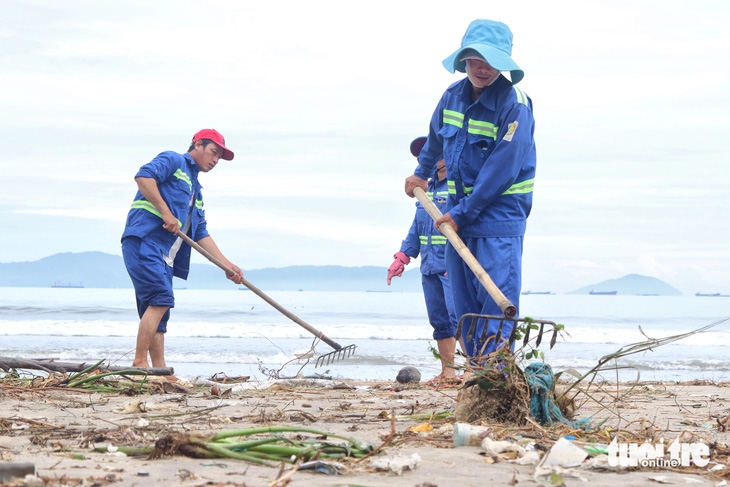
507, 308
261, 294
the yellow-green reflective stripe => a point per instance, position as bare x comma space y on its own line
521, 97
518, 188
146, 205
183, 177
452, 188
442, 193
482, 128
435, 239
454, 118
199, 204
521, 188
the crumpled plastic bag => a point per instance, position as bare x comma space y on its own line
563, 459
493, 446
564, 454
396, 463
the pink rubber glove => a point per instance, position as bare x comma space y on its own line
398, 265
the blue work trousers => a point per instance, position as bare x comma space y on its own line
501, 258
440, 305
151, 277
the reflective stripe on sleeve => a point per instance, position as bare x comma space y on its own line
435, 239
517, 188
146, 205
521, 96
521, 188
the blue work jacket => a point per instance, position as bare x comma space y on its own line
177, 179
423, 238
490, 157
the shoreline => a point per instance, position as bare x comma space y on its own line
57, 429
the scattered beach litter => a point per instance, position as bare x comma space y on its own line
157, 424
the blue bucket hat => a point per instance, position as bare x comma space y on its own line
493, 41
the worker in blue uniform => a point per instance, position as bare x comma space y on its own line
423, 239
168, 202
483, 127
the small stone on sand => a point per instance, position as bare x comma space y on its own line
408, 374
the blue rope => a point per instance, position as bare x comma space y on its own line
540, 378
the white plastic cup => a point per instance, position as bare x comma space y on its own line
469, 435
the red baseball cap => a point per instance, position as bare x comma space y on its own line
216, 137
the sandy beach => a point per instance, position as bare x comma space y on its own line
58, 430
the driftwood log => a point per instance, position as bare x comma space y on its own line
7, 363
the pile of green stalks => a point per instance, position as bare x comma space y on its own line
89, 379
237, 444
94, 382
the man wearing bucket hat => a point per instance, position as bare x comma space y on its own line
168, 202
424, 239
483, 128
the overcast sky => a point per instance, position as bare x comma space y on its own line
320, 101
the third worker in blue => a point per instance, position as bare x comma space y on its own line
425, 240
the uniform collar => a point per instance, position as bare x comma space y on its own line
488, 98
193, 166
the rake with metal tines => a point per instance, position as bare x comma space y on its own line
515, 329
340, 352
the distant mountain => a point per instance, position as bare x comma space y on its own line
100, 270
632, 284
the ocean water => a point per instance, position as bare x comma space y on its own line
236, 333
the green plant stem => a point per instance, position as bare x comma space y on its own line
99, 376
88, 369
272, 429
238, 455
246, 445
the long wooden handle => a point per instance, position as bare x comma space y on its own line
508, 309
261, 294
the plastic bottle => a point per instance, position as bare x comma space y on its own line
469, 435
10, 470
